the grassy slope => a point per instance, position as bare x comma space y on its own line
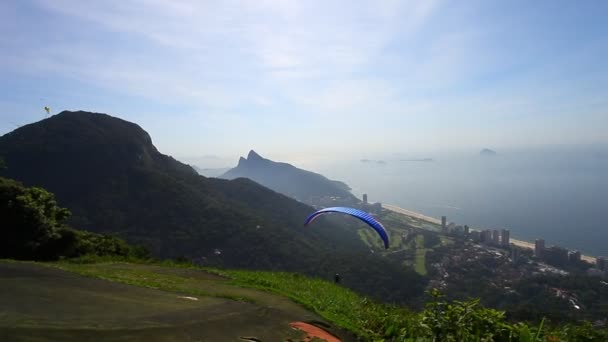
336, 304
235, 297
114, 181
46, 303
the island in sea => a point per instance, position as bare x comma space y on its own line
486, 152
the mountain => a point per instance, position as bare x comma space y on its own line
305, 186
108, 173
486, 152
210, 172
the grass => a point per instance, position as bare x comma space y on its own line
365, 236
152, 276
420, 265
398, 224
46, 303
343, 307
368, 320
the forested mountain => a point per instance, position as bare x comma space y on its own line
108, 173
287, 179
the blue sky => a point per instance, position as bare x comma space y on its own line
305, 79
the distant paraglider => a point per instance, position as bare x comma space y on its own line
47, 109
361, 215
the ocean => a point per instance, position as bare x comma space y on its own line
558, 194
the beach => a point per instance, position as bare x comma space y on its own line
518, 243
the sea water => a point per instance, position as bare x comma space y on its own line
558, 194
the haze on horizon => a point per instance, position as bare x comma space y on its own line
314, 78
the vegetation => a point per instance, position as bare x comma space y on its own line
520, 288
420, 255
114, 181
410, 240
539, 298
440, 320
33, 228
287, 179
108, 173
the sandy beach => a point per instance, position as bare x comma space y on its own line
519, 243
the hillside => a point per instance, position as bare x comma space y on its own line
48, 304
210, 172
108, 173
305, 186
171, 302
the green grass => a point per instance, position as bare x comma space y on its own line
420, 265
397, 225
369, 320
151, 276
365, 236
337, 304
341, 306
396, 239
47, 304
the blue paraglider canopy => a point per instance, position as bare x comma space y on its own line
360, 214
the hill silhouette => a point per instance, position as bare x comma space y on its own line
303, 185
486, 152
108, 173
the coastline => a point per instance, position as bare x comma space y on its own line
516, 242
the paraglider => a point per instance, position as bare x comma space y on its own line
361, 215
47, 109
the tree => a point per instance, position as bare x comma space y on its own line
29, 219
32, 227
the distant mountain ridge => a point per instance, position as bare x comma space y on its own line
486, 152
210, 172
114, 181
303, 185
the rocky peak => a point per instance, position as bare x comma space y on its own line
253, 156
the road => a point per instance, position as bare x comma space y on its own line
518, 243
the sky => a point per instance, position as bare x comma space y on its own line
294, 80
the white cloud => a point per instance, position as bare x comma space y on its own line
237, 65
275, 44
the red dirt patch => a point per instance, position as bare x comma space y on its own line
313, 331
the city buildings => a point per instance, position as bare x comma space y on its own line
376, 208
514, 252
505, 237
451, 227
574, 256
364, 198
495, 237
555, 255
485, 236
539, 247
458, 229
600, 263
